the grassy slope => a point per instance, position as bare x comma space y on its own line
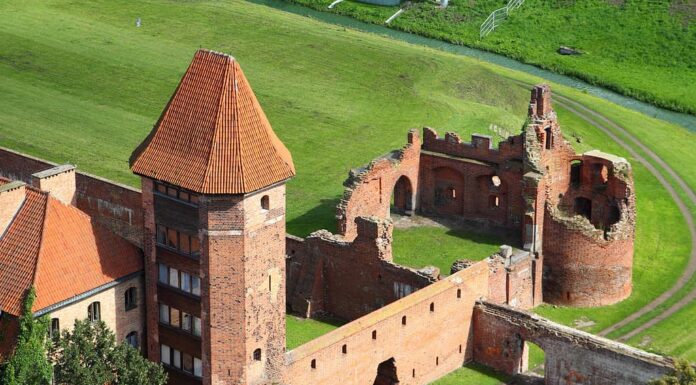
641, 49
81, 84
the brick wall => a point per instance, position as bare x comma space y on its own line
114, 205
319, 271
572, 356
369, 189
432, 342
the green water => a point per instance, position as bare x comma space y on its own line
685, 120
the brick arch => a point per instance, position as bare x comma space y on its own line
402, 196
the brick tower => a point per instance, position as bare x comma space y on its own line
213, 179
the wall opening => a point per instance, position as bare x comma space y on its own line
313, 364
549, 138
459, 293
344, 349
449, 191
532, 362
402, 197
575, 173
265, 202
257, 355
403, 320
583, 206
432, 306
386, 373
493, 201
374, 334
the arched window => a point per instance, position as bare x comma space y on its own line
432, 306
257, 355
403, 320
265, 202
94, 312
55, 328
374, 334
132, 339
459, 293
131, 298
344, 349
313, 364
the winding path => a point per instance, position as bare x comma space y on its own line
611, 129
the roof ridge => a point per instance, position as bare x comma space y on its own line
236, 131
46, 197
216, 127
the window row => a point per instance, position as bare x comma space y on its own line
180, 320
176, 193
344, 347
181, 280
181, 242
183, 361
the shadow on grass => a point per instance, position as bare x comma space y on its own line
322, 216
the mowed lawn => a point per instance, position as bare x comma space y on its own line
80, 83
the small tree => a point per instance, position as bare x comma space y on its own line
29, 364
684, 374
89, 355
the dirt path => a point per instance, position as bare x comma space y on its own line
610, 128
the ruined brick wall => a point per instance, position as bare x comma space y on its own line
369, 189
116, 206
572, 356
426, 334
349, 279
472, 181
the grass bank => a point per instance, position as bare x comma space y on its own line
646, 50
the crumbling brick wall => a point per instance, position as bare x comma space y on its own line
423, 337
369, 189
348, 279
572, 356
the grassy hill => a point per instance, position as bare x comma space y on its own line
641, 48
80, 83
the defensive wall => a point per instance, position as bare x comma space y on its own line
114, 205
571, 356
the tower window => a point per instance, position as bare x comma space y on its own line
459, 293
94, 312
257, 355
549, 138
374, 334
265, 202
493, 201
432, 306
344, 349
313, 364
131, 298
403, 320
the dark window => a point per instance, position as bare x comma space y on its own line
403, 320
413, 373
176, 193
257, 355
265, 202
432, 306
583, 206
437, 360
549, 138
344, 349
172, 238
131, 298
187, 362
374, 334
460, 348
459, 293
575, 172
132, 339
94, 311
55, 328
181, 242
493, 201
314, 363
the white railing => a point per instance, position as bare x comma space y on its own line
497, 17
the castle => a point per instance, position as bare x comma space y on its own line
196, 268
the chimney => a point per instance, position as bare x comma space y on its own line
58, 181
11, 198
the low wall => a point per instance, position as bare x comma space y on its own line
571, 356
116, 206
432, 342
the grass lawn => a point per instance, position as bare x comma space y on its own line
80, 83
437, 246
302, 330
641, 49
472, 374
673, 336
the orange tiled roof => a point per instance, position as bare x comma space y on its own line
61, 252
213, 137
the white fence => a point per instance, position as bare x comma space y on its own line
497, 17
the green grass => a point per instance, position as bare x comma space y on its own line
472, 374
673, 336
414, 247
302, 330
79, 83
641, 49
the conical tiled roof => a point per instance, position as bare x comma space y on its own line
213, 137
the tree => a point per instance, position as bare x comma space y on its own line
89, 355
29, 364
684, 374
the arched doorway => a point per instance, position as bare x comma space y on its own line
402, 197
386, 373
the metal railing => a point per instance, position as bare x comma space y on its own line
497, 17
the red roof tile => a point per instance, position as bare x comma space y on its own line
213, 137
61, 252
